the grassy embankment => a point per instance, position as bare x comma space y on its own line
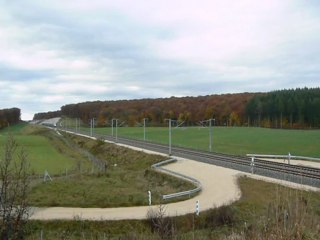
124, 182
233, 140
265, 211
45, 149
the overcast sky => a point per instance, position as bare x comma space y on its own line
56, 52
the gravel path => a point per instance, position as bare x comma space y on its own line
219, 187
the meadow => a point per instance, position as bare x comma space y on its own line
77, 182
125, 181
44, 149
259, 214
231, 140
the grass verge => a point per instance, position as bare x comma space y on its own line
265, 211
45, 148
125, 182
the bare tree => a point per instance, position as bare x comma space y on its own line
160, 223
14, 187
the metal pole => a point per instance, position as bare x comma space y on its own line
91, 127
112, 127
116, 130
144, 129
170, 135
214, 124
210, 135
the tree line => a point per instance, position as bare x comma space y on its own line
47, 115
9, 116
293, 108
226, 109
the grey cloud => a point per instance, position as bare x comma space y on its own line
14, 74
120, 50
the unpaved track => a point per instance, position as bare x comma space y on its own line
218, 187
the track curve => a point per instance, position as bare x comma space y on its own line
295, 173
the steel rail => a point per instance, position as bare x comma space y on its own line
261, 167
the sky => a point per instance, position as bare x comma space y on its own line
58, 52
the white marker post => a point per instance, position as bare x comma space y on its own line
149, 196
252, 164
46, 176
197, 207
289, 157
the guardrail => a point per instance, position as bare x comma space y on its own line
198, 188
284, 157
158, 167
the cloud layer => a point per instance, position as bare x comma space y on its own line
59, 52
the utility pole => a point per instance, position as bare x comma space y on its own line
210, 131
210, 135
170, 134
144, 128
116, 131
91, 127
112, 127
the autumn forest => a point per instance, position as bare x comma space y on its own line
293, 108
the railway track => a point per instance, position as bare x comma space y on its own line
294, 173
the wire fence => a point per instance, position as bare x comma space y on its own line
284, 157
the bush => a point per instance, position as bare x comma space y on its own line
160, 223
222, 216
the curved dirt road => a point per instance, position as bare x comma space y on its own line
218, 187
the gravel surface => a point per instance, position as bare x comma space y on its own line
219, 187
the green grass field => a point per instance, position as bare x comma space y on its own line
233, 140
125, 182
44, 149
